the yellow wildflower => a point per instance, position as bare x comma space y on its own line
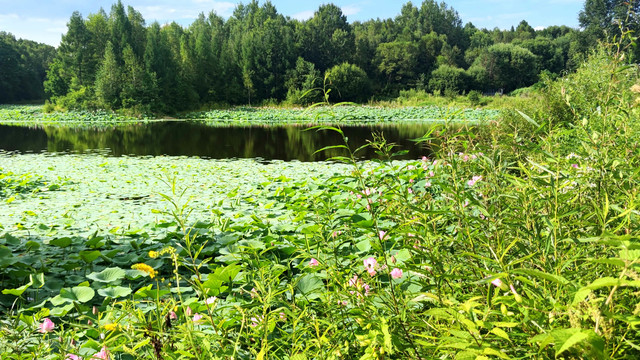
110, 327
146, 268
153, 254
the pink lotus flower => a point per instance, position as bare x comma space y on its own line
71, 357
313, 262
396, 273
46, 326
103, 354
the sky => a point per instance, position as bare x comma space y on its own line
45, 20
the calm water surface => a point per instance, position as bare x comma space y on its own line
183, 138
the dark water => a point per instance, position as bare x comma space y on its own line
181, 138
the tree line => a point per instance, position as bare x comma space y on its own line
23, 66
257, 55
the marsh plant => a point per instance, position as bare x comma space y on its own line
519, 240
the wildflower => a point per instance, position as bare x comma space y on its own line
94, 310
381, 234
411, 181
173, 315
256, 320
367, 289
343, 302
46, 326
153, 254
71, 357
425, 159
282, 316
497, 282
146, 268
575, 166
187, 311
313, 262
396, 273
197, 317
253, 293
427, 184
211, 300
370, 264
110, 327
353, 281
103, 354
393, 259
411, 167
431, 174
474, 180
410, 191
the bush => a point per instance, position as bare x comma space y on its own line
447, 79
348, 82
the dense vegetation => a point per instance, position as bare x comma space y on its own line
518, 239
114, 60
23, 67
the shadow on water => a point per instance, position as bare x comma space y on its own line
183, 138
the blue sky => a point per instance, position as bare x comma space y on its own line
45, 21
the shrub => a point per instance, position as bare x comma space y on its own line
348, 82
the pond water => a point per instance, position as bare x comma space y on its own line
186, 138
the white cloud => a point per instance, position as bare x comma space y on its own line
539, 28
351, 10
303, 15
186, 11
48, 31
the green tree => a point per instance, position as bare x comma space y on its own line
348, 82
447, 79
109, 80
507, 67
327, 39
397, 61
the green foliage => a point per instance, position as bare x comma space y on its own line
348, 82
505, 66
447, 79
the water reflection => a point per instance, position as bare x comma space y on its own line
180, 138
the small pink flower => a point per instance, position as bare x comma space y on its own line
410, 191
427, 184
425, 159
188, 311
353, 281
431, 174
253, 293
282, 316
211, 300
313, 262
103, 354
497, 282
173, 315
359, 196
370, 265
575, 166
396, 273
465, 158
367, 289
513, 290
46, 326
411, 167
71, 357
411, 181
197, 317
474, 180
381, 234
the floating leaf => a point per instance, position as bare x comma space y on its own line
108, 275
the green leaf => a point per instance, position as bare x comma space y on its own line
572, 341
89, 256
309, 284
115, 292
108, 275
542, 275
61, 242
76, 294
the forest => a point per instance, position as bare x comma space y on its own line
116, 61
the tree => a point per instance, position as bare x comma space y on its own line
327, 38
348, 82
74, 51
109, 80
397, 61
447, 79
507, 66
